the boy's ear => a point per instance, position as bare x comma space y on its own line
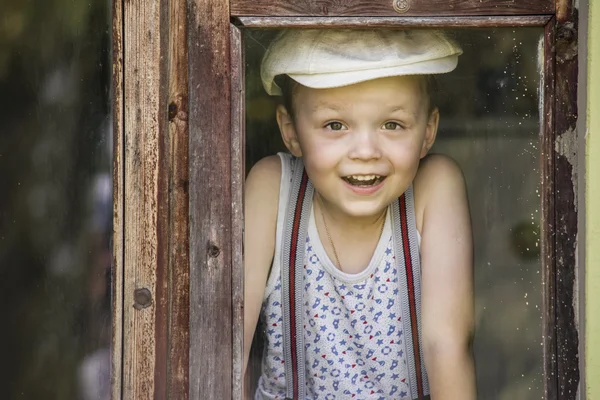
288, 131
430, 131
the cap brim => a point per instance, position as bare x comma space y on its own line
338, 79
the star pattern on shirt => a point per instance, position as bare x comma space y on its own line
352, 352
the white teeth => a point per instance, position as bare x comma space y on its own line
364, 177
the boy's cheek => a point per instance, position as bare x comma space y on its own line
405, 151
322, 148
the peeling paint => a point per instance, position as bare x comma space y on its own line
566, 42
566, 146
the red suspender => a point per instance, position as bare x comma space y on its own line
410, 284
406, 250
296, 246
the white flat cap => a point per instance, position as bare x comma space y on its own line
326, 58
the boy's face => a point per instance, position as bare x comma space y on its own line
361, 144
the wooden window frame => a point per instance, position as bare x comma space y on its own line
178, 123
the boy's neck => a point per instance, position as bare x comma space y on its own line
349, 225
350, 242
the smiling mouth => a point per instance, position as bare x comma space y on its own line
364, 180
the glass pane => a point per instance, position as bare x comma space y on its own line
56, 202
492, 130
490, 125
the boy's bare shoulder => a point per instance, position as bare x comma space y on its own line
439, 177
438, 171
262, 185
261, 201
266, 169
434, 164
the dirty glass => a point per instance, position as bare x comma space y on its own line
55, 199
490, 124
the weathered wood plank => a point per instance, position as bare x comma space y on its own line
547, 213
374, 8
238, 130
179, 270
565, 187
392, 22
210, 200
118, 201
141, 206
156, 282
163, 216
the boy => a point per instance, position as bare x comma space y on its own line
385, 265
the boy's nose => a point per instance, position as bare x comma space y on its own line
365, 145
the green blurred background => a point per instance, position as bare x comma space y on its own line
55, 199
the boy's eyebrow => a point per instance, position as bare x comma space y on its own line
338, 108
403, 109
323, 105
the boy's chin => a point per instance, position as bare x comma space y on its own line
361, 211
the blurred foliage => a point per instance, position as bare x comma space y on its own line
55, 193
38, 31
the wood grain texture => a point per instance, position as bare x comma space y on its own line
565, 187
118, 201
141, 202
163, 216
178, 197
374, 8
547, 235
156, 334
391, 22
238, 130
210, 200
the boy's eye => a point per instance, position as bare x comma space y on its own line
335, 126
391, 126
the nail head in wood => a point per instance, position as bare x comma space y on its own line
401, 6
142, 298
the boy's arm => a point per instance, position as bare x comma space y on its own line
261, 199
447, 279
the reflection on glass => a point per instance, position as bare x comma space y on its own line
56, 199
489, 125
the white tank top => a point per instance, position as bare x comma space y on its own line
353, 333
